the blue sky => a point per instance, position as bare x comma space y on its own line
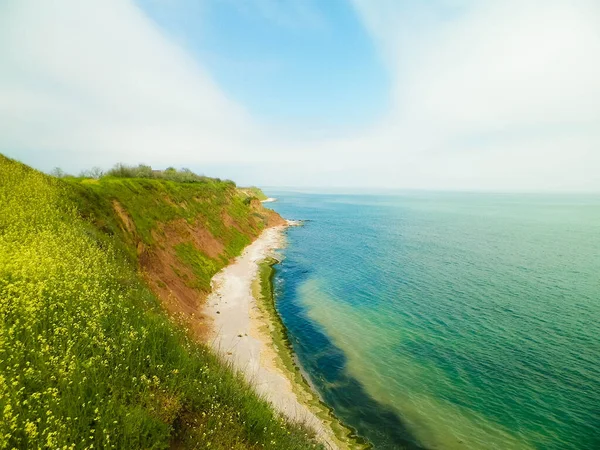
439, 94
298, 63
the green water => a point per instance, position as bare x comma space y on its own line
454, 321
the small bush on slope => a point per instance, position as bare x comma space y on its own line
87, 357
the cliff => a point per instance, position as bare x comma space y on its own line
92, 274
178, 234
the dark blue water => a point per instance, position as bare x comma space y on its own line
449, 320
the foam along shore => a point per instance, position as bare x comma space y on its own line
269, 200
237, 335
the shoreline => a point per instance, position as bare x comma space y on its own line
245, 334
288, 361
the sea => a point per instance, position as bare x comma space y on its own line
432, 320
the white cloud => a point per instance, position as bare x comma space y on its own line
493, 94
100, 81
487, 94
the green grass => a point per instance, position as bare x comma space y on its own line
151, 202
202, 266
88, 358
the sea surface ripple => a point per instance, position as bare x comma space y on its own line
450, 321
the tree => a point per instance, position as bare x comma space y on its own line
96, 172
57, 172
143, 171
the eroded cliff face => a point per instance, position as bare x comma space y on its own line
179, 277
181, 235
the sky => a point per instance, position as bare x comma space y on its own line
499, 95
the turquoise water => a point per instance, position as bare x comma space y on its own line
450, 321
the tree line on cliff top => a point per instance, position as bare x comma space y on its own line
120, 170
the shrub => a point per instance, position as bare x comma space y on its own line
144, 171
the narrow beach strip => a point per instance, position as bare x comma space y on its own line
241, 334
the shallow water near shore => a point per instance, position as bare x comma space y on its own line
450, 321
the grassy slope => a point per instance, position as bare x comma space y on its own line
153, 202
87, 355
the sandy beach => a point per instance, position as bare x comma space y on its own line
269, 200
237, 335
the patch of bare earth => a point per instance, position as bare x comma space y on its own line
126, 219
272, 218
171, 279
